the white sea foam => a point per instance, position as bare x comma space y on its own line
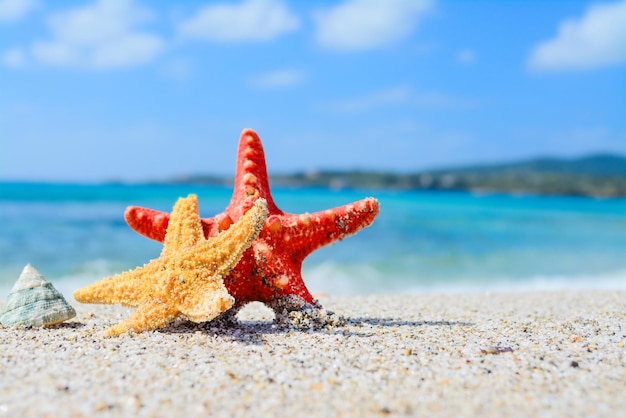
67, 283
336, 279
346, 280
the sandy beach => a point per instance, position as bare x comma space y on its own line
519, 354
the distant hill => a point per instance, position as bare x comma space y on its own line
599, 164
602, 175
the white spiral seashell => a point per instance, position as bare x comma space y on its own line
34, 302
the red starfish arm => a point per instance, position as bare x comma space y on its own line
263, 275
308, 232
153, 223
251, 179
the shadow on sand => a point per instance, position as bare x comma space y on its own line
254, 332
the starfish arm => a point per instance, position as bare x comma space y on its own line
263, 275
148, 222
124, 288
153, 223
251, 179
223, 252
183, 229
206, 302
308, 232
149, 316
287, 279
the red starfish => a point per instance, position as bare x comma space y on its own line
270, 269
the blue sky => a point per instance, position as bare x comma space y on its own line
134, 90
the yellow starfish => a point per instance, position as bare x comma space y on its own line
187, 278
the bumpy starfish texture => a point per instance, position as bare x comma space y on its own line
270, 270
187, 278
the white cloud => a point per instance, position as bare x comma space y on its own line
466, 56
178, 68
287, 77
365, 24
598, 39
395, 95
251, 20
434, 100
401, 95
14, 10
101, 35
14, 58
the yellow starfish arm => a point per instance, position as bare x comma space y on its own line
151, 315
202, 304
124, 288
228, 246
184, 229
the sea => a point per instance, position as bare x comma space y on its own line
422, 242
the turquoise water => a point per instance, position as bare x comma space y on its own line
421, 242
